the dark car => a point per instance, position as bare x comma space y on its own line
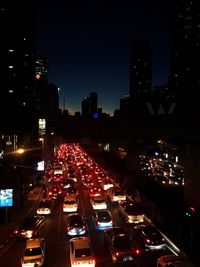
67, 183
120, 245
30, 226
72, 191
76, 224
102, 219
150, 237
54, 192
132, 212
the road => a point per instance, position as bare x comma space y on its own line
57, 241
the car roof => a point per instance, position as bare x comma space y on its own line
33, 242
81, 242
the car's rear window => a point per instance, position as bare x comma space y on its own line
83, 252
33, 252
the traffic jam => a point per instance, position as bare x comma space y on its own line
74, 171
94, 220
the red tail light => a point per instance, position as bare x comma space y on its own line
137, 252
16, 232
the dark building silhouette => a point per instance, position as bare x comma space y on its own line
93, 104
140, 70
184, 79
140, 78
85, 107
89, 106
124, 106
17, 65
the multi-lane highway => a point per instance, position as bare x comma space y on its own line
54, 231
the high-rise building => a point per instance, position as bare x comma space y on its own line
85, 107
185, 49
93, 104
17, 65
140, 79
41, 69
140, 70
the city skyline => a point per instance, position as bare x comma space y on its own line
88, 47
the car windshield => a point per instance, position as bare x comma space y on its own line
76, 220
134, 210
33, 251
44, 205
70, 202
98, 201
83, 252
103, 215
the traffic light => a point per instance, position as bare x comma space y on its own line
190, 211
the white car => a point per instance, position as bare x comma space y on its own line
116, 195
34, 253
132, 212
44, 208
70, 203
98, 203
81, 253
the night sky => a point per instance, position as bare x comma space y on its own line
88, 46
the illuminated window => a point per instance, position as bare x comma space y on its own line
10, 50
10, 67
10, 91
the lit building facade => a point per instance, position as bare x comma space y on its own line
17, 92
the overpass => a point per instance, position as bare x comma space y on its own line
130, 134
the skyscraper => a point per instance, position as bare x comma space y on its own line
140, 70
185, 49
17, 53
140, 78
85, 106
93, 103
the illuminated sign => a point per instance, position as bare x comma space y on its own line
42, 126
6, 197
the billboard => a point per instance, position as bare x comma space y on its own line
6, 197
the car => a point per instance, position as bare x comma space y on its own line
67, 183
72, 191
102, 219
34, 253
44, 207
121, 246
95, 191
54, 192
107, 184
117, 195
150, 237
30, 226
76, 224
70, 203
132, 212
173, 261
80, 252
98, 202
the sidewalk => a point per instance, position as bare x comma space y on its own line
17, 216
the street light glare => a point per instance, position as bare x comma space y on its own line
20, 151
